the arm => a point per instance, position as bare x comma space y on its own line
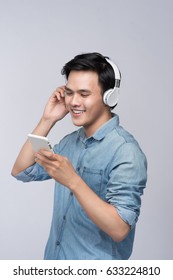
54, 111
103, 214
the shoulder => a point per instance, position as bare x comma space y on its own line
126, 147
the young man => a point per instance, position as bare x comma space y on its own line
99, 170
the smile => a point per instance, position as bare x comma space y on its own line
77, 112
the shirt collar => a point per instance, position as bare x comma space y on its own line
102, 131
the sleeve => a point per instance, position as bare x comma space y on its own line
127, 180
33, 173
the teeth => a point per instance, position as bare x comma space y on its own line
77, 111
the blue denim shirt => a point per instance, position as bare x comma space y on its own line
114, 167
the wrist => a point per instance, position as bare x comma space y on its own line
48, 123
75, 183
43, 127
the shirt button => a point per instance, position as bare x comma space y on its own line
64, 217
57, 243
71, 193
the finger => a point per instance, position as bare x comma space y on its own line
50, 155
63, 91
43, 160
60, 95
60, 91
45, 153
57, 95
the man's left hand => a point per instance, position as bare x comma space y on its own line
57, 166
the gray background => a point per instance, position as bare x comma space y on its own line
37, 37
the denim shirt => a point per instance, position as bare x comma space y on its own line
115, 168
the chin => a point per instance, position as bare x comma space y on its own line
77, 122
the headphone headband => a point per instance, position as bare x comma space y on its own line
116, 72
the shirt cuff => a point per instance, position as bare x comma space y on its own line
127, 216
27, 175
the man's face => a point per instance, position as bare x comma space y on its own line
83, 99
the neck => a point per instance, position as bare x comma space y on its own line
91, 129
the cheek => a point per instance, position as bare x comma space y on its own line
67, 101
96, 103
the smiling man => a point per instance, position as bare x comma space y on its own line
99, 170
84, 101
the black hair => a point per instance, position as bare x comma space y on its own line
92, 62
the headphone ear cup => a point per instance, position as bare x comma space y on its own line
106, 96
110, 97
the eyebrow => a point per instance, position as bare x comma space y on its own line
80, 90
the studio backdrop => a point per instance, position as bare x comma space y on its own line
37, 38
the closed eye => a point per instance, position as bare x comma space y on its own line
84, 94
69, 93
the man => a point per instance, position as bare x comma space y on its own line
99, 170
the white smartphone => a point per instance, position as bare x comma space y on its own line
39, 142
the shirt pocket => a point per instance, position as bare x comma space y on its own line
93, 178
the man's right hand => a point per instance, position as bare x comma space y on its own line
55, 109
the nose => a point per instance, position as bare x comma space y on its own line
75, 100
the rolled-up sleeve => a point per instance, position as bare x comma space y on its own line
127, 180
33, 173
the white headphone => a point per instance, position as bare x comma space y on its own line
110, 96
